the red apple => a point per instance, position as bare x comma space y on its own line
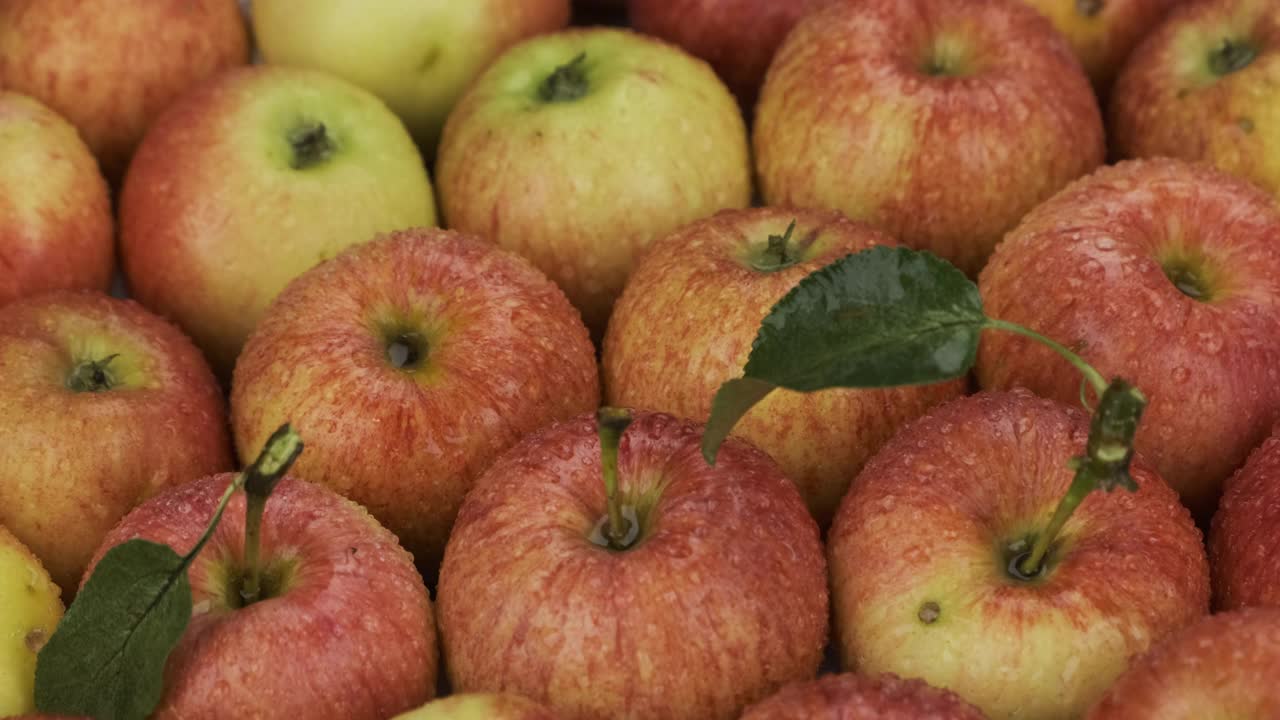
578, 149
111, 66
1164, 273
942, 121
1224, 666
115, 404
251, 179
1103, 32
925, 547
345, 627
1205, 85
686, 322
480, 706
1245, 539
738, 37
55, 215
408, 364
717, 598
861, 697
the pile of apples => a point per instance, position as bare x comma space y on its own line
431, 239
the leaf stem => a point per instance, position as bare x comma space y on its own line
1094, 377
612, 422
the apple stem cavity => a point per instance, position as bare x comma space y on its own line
311, 144
620, 531
567, 83
1090, 8
260, 480
92, 376
1231, 56
777, 254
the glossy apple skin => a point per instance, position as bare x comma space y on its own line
849, 696
351, 635
738, 37
215, 221
580, 187
480, 706
107, 66
1103, 32
56, 230
78, 461
1224, 666
722, 600
928, 520
1086, 269
1244, 541
685, 324
32, 609
849, 120
419, 57
507, 354
1167, 102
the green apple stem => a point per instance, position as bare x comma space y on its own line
777, 254
567, 83
1095, 378
612, 422
92, 375
1231, 56
260, 479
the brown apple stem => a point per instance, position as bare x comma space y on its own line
92, 375
260, 479
612, 422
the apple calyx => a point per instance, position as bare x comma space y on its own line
1231, 56
92, 375
311, 144
1090, 8
620, 528
567, 83
777, 254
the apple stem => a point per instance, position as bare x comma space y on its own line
777, 254
1081, 486
1231, 56
92, 375
612, 422
311, 145
567, 83
1095, 378
260, 479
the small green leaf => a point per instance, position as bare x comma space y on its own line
882, 317
107, 656
1109, 450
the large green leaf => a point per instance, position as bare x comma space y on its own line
879, 318
107, 657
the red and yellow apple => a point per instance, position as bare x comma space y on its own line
580, 148
1164, 273
1244, 541
718, 599
686, 321
924, 548
408, 364
56, 230
480, 706
1103, 32
251, 179
1224, 666
1205, 85
111, 66
941, 121
108, 405
738, 37
344, 628
32, 610
850, 696
418, 57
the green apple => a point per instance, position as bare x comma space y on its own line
578, 149
251, 179
417, 56
31, 610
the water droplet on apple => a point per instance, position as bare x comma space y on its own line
1105, 243
1181, 374
1210, 341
